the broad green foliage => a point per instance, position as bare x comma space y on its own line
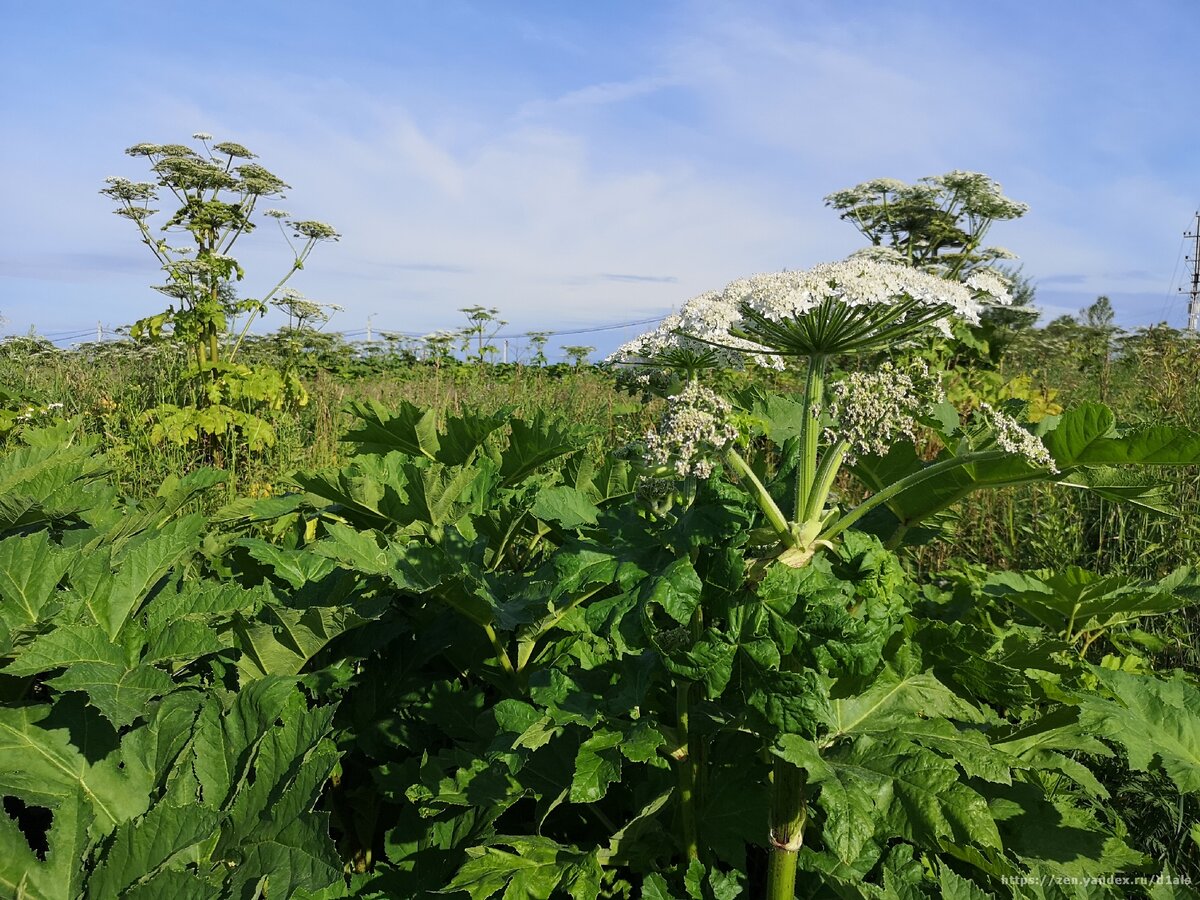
477, 661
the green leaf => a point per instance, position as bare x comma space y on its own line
1158, 445
1058, 835
357, 549
847, 797
564, 505
530, 870
281, 641
533, 444
143, 847
139, 569
676, 591
121, 693
955, 887
45, 768
409, 429
25, 876
893, 785
1074, 601
30, 570
895, 700
1154, 719
1077, 430
655, 888
597, 765
68, 645
296, 567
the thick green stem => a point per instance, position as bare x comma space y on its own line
789, 813
501, 654
826, 474
761, 495
810, 434
685, 768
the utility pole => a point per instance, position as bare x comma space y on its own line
99, 332
1193, 324
369, 318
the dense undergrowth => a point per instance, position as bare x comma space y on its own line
463, 653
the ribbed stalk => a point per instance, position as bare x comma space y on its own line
686, 770
789, 813
810, 434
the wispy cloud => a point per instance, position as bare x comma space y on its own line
653, 279
597, 95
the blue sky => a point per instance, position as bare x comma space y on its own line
580, 164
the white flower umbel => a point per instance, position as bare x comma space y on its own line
859, 304
1011, 437
695, 338
874, 409
693, 430
852, 306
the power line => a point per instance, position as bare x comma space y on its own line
67, 335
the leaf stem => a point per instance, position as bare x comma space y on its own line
826, 473
887, 493
501, 654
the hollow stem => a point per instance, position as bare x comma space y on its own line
685, 768
810, 434
789, 813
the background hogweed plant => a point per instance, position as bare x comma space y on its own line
218, 189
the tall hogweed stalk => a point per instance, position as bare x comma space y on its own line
218, 189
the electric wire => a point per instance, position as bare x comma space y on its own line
67, 335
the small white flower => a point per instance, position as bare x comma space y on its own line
874, 409
202, 136
1011, 437
694, 428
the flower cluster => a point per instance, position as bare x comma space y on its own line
873, 409
697, 337
725, 328
33, 412
861, 282
1011, 437
304, 311
693, 429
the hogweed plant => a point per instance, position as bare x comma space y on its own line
218, 190
865, 423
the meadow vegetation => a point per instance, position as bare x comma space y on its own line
846, 583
